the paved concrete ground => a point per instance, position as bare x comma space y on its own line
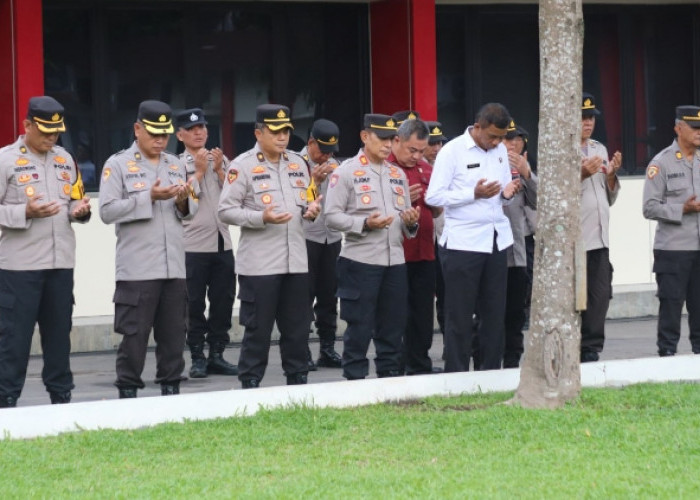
94, 372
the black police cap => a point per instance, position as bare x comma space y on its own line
408, 114
514, 130
689, 114
274, 116
47, 113
326, 133
382, 125
588, 105
435, 134
188, 118
156, 117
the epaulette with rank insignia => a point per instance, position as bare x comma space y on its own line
260, 156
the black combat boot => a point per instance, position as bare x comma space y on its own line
8, 402
199, 361
250, 383
170, 388
310, 360
60, 398
389, 373
328, 358
216, 363
127, 392
297, 379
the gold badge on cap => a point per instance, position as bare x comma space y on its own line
436, 131
281, 114
390, 123
55, 117
587, 102
162, 118
411, 116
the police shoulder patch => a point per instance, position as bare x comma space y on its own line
652, 170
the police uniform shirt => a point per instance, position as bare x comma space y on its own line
596, 199
515, 211
201, 232
469, 222
319, 232
356, 190
149, 233
672, 179
251, 185
45, 242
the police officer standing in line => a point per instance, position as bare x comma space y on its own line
144, 191
472, 181
208, 253
407, 149
369, 200
42, 193
516, 292
671, 194
265, 193
323, 244
599, 189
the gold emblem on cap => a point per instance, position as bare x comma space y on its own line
411, 116
390, 123
162, 118
587, 102
55, 117
436, 131
698, 113
332, 140
281, 114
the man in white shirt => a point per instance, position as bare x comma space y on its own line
472, 180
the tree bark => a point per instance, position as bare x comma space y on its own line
550, 373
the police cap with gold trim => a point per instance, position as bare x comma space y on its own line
435, 134
408, 114
47, 113
588, 105
689, 114
274, 116
156, 117
513, 131
326, 133
382, 125
188, 118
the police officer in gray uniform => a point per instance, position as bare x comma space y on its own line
671, 193
41, 193
599, 189
323, 243
516, 291
145, 192
208, 253
369, 200
265, 193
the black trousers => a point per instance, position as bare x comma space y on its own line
418, 336
323, 285
515, 313
439, 291
472, 276
27, 298
140, 306
678, 281
599, 279
210, 275
265, 299
373, 303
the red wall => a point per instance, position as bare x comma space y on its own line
22, 57
402, 48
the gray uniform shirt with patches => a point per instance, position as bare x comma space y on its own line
359, 188
596, 199
149, 233
201, 232
672, 179
320, 232
515, 211
251, 185
42, 243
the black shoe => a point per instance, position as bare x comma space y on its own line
216, 363
250, 383
127, 392
666, 352
198, 368
310, 361
60, 398
328, 358
589, 356
389, 373
511, 362
170, 389
297, 379
8, 402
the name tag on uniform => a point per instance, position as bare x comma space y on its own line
474, 165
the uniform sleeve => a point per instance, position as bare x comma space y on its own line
11, 216
339, 189
440, 191
530, 190
654, 203
116, 205
231, 203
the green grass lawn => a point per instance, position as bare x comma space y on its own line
638, 442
